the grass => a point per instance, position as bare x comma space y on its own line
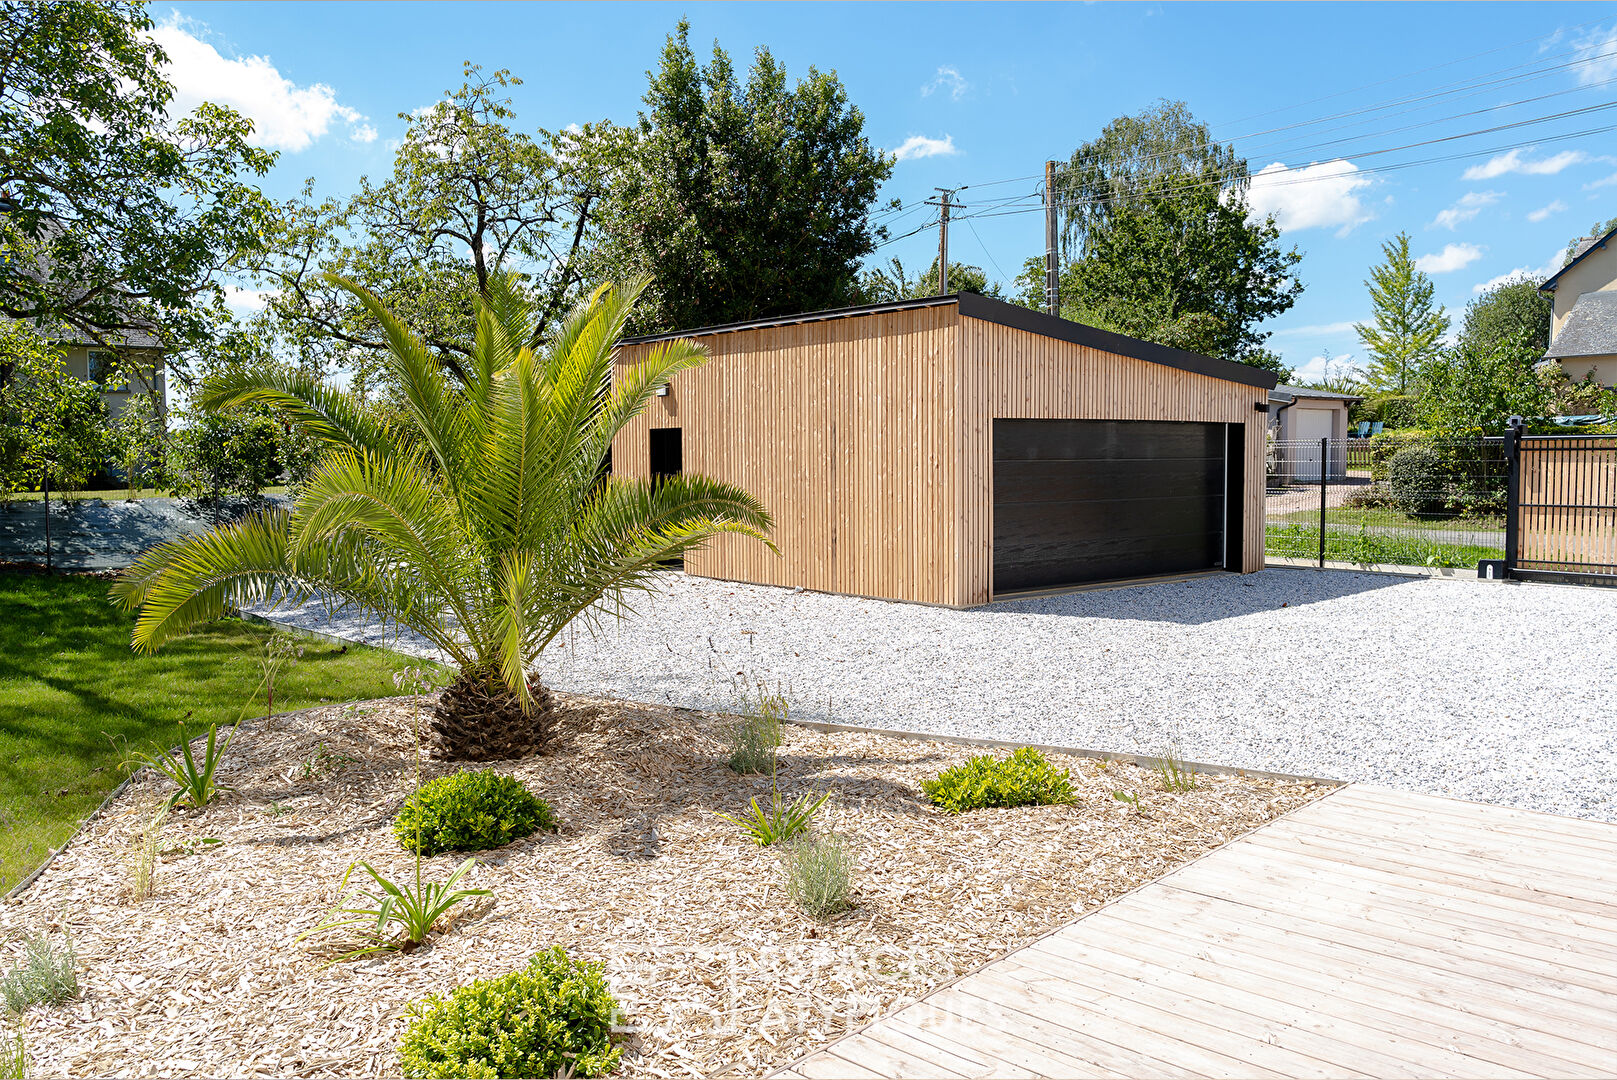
1381, 549
68, 680
1386, 517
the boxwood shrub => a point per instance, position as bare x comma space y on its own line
470, 811
1417, 482
551, 1018
1023, 779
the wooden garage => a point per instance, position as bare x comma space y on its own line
956, 449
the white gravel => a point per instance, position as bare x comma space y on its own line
1476, 690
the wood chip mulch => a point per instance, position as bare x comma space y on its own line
714, 967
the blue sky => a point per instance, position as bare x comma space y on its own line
1326, 97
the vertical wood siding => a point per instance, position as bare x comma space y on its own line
845, 430
1014, 374
1568, 504
869, 439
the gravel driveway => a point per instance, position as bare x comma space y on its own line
1476, 690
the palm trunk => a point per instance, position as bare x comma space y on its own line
478, 718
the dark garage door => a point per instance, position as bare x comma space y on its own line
1078, 501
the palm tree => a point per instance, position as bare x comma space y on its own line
479, 517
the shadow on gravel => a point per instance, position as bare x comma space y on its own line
1206, 599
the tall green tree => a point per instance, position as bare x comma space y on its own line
116, 217
1515, 312
1476, 386
471, 197
1405, 329
52, 423
1157, 153
478, 517
739, 201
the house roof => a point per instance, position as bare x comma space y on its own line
1590, 328
1310, 392
1555, 278
1019, 318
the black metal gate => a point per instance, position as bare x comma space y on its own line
1561, 513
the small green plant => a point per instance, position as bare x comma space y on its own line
551, 1018
755, 735
416, 909
1128, 798
470, 811
14, 1059
819, 871
781, 820
44, 975
323, 759
196, 782
279, 651
1175, 775
1023, 779
141, 861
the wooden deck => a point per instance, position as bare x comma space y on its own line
1371, 933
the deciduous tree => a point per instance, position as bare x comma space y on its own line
1405, 329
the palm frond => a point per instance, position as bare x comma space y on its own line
311, 405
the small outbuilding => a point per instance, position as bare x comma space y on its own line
957, 449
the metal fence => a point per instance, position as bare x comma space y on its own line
1562, 520
1391, 500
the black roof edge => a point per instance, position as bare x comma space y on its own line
1550, 282
988, 309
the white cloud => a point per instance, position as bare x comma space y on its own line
1535, 273
1605, 181
1470, 205
247, 299
919, 146
1316, 330
1452, 257
1597, 57
949, 81
1324, 366
1545, 211
285, 116
1513, 161
1319, 195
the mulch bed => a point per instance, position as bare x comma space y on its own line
714, 967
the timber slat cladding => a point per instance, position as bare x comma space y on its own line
870, 440
1568, 504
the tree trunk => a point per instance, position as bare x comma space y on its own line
479, 719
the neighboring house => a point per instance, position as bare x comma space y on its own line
1583, 326
954, 449
1302, 417
143, 370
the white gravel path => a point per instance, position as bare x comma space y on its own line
1476, 690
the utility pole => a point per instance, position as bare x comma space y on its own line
1052, 269
945, 203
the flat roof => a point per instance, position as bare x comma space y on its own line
1016, 317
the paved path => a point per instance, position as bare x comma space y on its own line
1371, 933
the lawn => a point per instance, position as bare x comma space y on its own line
70, 686
1374, 548
1385, 517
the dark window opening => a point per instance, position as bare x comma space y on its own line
667, 454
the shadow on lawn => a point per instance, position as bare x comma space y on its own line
1205, 599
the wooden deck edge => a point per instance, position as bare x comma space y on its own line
791, 1066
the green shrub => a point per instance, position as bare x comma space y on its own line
1023, 779
1385, 446
551, 1018
470, 811
819, 872
43, 976
755, 735
1417, 482
1393, 410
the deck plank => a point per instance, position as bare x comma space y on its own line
1369, 933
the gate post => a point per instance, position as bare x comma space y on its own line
1513, 493
1324, 472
